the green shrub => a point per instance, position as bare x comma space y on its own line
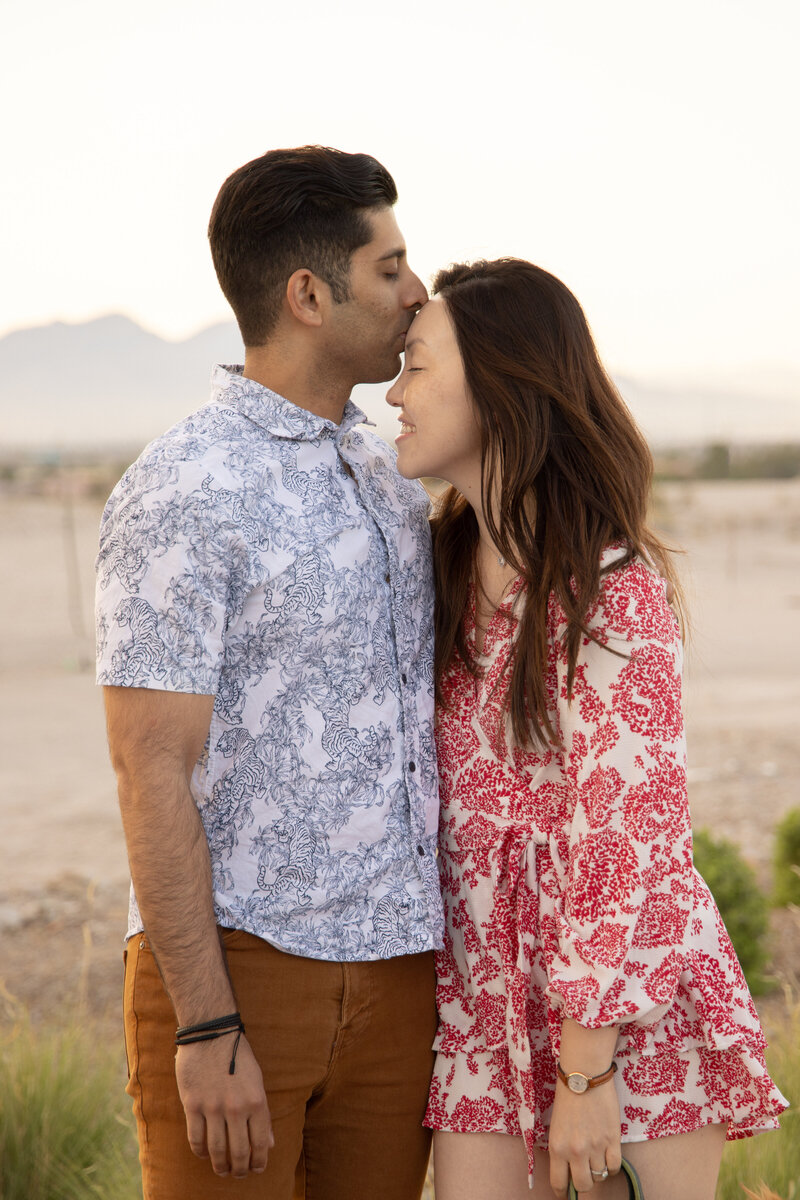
771, 1159
742, 904
786, 859
65, 1126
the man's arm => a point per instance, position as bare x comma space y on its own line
155, 739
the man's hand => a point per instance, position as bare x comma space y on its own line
227, 1118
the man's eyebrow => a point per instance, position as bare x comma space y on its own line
401, 253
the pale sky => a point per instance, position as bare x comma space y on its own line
645, 153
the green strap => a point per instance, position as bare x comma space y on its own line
634, 1184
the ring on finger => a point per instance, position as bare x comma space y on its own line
599, 1174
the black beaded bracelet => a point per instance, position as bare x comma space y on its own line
207, 1031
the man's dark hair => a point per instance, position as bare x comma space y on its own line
290, 209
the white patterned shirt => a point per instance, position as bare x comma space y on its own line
271, 558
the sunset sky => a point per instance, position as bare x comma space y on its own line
647, 154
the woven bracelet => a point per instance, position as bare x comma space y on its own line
207, 1031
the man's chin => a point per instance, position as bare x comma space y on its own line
382, 372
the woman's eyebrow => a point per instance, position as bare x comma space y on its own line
415, 341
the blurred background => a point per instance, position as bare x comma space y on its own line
643, 153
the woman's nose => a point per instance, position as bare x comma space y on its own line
394, 395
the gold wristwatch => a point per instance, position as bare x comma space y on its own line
576, 1082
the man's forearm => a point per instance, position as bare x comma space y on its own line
155, 739
171, 873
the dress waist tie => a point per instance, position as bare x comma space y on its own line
514, 876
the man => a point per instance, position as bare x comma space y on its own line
264, 637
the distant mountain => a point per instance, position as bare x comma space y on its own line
108, 383
747, 409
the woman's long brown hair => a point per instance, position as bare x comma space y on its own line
565, 470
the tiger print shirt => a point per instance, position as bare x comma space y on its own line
277, 561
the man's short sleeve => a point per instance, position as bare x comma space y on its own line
172, 568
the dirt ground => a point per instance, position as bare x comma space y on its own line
63, 870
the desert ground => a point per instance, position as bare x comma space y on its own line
63, 870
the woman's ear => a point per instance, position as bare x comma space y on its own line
306, 295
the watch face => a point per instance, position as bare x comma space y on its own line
577, 1082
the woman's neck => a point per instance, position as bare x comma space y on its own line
487, 550
490, 561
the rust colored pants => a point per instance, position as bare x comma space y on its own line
345, 1049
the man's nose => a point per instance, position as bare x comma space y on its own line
417, 293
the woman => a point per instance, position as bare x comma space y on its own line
588, 993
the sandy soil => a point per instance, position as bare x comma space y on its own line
63, 871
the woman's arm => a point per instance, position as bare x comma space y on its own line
625, 877
623, 861
585, 1128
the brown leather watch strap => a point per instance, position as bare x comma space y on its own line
577, 1082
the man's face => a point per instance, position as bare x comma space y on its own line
367, 332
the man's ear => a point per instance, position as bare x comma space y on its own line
306, 295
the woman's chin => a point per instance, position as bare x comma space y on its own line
405, 465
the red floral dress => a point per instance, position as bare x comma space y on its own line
569, 890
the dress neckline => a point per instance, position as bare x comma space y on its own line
512, 590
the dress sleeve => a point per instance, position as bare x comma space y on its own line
613, 943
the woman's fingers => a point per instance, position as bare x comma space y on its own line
559, 1175
614, 1159
583, 1172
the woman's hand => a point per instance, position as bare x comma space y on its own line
584, 1137
584, 1130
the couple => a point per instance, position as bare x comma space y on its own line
266, 641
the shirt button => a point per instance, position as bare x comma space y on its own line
386, 579
421, 851
404, 678
412, 766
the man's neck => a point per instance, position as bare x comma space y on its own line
299, 381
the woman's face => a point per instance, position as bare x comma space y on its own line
439, 432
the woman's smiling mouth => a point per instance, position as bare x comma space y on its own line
406, 428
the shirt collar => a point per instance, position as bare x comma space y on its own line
275, 413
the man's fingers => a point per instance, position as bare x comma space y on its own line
261, 1141
217, 1141
196, 1132
238, 1146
